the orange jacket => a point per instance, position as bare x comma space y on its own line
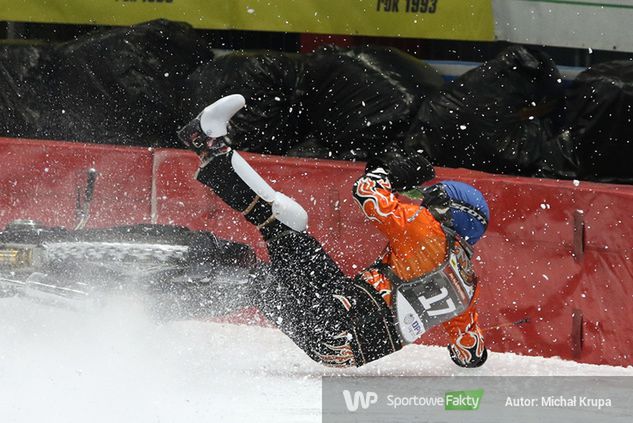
417, 243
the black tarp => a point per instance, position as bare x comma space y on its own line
600, 115
272, 84
21, 88
498, 117
335, 103
117, 85
361, 101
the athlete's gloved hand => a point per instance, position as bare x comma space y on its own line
404, 172
475, 361
468, 350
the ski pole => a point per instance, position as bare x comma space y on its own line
503, 325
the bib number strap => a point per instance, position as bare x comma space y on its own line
433, 299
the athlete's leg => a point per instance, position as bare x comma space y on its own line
232, 178
335, 320
296, 292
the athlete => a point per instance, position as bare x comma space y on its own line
424, 279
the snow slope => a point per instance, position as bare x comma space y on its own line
116, 364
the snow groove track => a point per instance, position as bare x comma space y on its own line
117, 364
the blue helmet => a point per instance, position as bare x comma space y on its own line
469, 210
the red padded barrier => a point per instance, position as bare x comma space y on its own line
39, 180
525, 261
528, 269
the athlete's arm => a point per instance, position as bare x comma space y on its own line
375, 190
466, 346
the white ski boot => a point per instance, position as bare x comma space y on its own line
206, 134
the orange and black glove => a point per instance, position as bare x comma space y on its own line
404, 173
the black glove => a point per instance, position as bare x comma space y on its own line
474, 361
404, 172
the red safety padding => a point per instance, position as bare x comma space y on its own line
528, 261
39, 180
528, 269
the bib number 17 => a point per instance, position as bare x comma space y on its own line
428, 303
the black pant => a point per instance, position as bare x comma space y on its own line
336, 320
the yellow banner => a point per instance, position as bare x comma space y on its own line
441, 19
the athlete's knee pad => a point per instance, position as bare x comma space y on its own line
284, 208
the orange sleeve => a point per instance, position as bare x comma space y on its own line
373, 193
464, 331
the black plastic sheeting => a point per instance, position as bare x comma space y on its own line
335, 103
272, 84
498, 117
360, 102
22, 89
137, 85
118, 86
600, 115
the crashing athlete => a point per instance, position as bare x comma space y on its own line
424, 279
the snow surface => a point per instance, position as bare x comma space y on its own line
114, 363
